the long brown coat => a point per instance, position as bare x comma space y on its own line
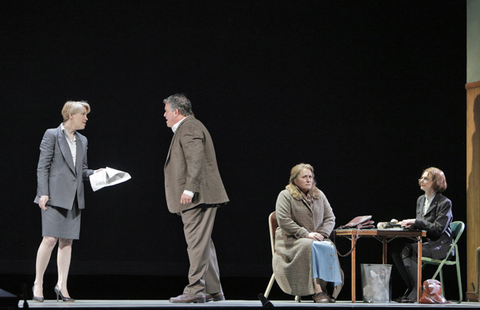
191, 165
292, 261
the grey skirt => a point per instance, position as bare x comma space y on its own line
61, 223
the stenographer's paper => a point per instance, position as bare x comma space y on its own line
108, 177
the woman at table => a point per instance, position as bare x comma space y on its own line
434, 215
62, 167
305, 260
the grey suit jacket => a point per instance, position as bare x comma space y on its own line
57, 177
436, 222
191, 165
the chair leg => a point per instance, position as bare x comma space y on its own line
441, 281
439, 269
269, 286
459, 279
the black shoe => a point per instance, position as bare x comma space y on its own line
404, 299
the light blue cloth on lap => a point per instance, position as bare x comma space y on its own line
325, 263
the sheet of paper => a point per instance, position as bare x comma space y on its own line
108, 177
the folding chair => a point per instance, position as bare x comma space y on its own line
457, 231
272, 225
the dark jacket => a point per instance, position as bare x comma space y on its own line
436, 222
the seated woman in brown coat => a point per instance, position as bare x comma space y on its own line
305, 260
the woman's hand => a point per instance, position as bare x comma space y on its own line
315, 236
42, 203
407, 223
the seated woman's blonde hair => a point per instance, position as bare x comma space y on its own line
299, 168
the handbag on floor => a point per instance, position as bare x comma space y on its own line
432, 293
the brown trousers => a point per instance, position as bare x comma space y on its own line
204, 274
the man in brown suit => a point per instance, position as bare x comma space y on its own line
194, 190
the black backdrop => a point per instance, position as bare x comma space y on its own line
368, 92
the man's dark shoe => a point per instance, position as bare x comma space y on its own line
215, 297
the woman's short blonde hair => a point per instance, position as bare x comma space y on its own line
73, 107
299, 168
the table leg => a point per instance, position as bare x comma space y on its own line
354, 241
419, 268
384, 255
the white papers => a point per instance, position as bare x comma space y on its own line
108, 177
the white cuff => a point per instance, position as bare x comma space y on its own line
189, 193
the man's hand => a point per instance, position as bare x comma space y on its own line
185, 199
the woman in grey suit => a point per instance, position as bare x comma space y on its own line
62, 167
434, 214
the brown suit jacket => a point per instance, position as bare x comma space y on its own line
191, 165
